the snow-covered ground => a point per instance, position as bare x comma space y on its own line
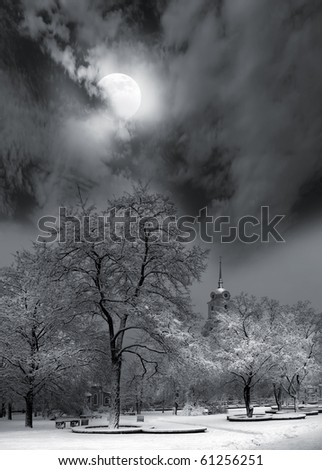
221, 434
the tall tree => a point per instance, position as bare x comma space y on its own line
136, 277
37, 345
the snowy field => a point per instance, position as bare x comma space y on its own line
221, 434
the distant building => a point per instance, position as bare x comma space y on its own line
219, 302
97, 398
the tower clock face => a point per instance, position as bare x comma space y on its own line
226, 295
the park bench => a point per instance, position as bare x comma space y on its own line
91, 416
60, 423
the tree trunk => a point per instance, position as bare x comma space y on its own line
295, 402
249, 411
9, 411
278, 396
115, 405
3, 410
176, 405
138, 398
138, 406
29, 407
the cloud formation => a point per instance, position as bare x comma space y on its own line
231, 117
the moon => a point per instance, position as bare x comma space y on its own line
122, 93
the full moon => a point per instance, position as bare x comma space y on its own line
122, 93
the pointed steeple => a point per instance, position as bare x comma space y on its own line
220, 281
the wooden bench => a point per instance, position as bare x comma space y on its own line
60, 423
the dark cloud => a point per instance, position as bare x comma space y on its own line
309, 201
40, 164
249, 79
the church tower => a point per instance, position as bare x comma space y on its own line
220, 297
219, 302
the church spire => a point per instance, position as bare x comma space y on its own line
220, 281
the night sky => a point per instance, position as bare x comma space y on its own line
231, 119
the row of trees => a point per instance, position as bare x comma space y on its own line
119, 307
263, 342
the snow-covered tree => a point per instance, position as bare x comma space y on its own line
37, 345
135, 277
246, 341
